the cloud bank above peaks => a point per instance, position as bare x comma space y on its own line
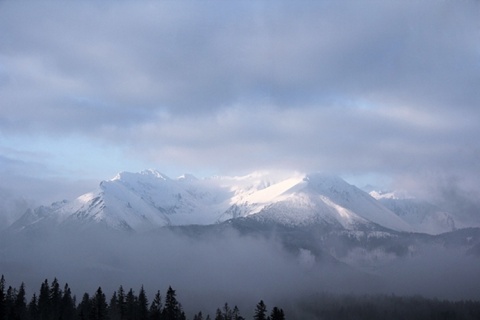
385, 87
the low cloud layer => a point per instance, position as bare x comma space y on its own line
349, 88
224, 267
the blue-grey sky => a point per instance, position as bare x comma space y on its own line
385, 89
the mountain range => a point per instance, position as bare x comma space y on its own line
149, 200
302, 231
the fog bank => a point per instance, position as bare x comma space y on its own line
220, 267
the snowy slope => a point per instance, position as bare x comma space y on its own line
136, 201
316, 198
423, 216
350, 197
149, 199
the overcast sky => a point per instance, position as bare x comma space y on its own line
383, 89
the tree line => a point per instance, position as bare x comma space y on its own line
54, 303
327, 306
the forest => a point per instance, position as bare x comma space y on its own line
54, 301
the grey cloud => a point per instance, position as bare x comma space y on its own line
348, 87
350, 140
9, 164
203, 59
11, 207
27, 183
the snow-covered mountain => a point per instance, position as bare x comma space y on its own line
316, 198
149, 199
136, 201
423, 216
316, 226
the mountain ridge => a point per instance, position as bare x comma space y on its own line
150, 199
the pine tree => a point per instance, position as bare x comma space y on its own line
85, 307
55, 299
20, 304
142, 305
156, 307
98, 309
44, 308
10, 302
218, 314
198, 316
67, 304
260, 311
33, 308
277, 314
236, 314
121, 304
113, 309
172, 309
227, 312
131, 305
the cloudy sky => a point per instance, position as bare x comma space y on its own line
383, 89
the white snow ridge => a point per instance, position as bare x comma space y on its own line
149, 199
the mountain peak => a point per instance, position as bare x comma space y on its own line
145, 174
187, 177
155, 173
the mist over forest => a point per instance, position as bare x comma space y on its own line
214, 266
56, 301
